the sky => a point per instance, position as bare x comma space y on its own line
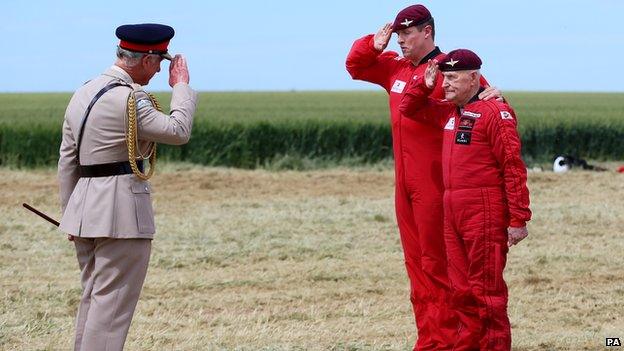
547, 45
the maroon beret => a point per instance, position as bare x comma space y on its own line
459, 60
411, 16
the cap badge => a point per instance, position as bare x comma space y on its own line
452, 62
407, 22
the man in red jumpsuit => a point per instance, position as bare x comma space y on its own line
417, 151
486, 201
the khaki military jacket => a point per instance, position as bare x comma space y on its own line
116, 206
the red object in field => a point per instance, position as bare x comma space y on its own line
621, 169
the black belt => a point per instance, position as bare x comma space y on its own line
108, 169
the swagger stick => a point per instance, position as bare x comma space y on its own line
41, 214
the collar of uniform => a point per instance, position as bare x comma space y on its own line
476, 97
119, 73
435, 52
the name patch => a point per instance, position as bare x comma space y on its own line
471, 114
398, 86
463, 138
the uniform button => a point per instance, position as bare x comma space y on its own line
146, 189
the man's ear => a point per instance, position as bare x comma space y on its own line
145, 60
475, 76
428, 29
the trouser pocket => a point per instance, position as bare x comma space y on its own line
143, 207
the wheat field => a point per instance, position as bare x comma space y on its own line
261, 260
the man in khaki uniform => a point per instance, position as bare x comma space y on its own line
105, 199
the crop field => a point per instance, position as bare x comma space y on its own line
264, 260
301, 130
365, 106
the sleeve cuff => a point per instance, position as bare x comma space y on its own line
421, 83
371, 45
517, 223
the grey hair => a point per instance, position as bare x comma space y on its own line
130, 58
477, 71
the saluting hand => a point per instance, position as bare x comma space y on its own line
382, 38
431, 73
515, 235
178, 71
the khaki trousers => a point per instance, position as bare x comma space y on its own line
112, 272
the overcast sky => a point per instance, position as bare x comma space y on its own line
548, 45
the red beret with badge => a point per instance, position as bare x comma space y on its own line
411, 16
460, 60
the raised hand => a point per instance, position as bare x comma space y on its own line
382, 37
178, 71
431, 73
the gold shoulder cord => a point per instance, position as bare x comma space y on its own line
132, 142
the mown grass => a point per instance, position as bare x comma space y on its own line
258, 260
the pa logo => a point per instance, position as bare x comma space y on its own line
613, 342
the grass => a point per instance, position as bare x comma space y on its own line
298, 130
248, 107
220, 107
263, 260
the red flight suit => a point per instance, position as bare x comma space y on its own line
485, 192
418, 193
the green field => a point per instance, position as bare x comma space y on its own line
246, 107
252, 129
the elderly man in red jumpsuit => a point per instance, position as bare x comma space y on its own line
417, 150
486, 201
